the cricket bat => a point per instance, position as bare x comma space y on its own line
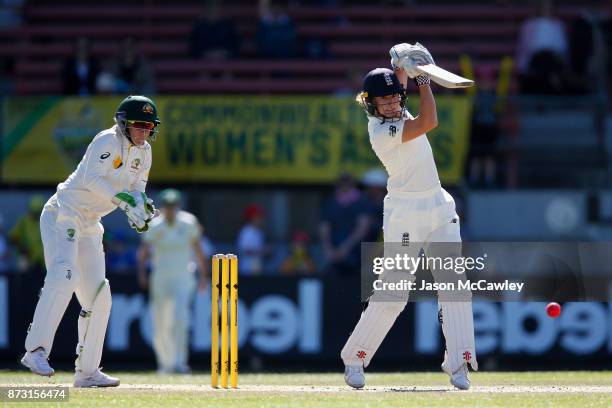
445, 78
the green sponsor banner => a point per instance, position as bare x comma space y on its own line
253, 139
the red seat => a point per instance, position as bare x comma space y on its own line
357, 37
452, 50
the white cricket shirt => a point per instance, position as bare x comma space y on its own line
110, 165
410, 165
172, 243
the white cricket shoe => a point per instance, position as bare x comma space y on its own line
353, 376
97, 379
459, 378
38, 362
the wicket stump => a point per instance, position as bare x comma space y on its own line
224, 271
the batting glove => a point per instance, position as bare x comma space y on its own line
409, 57
397, 52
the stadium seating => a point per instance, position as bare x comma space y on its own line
356, 38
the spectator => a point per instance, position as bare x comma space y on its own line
375, 183
213, 35
543, 53
276, 36
132, 71
345, 222
11, 13
4, 250
106, 83
485, 130
7, 75
605, 27
582, 51
251, 241
352, 85
25, 235
172, 241
299, 261
80, 71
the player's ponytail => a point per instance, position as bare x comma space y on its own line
361, 100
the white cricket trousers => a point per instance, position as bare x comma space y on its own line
74, 258
417, 219
171, 297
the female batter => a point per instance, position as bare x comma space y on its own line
416, 210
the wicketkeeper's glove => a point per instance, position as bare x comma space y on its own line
138, 208
408, 57
150, 207
151, 210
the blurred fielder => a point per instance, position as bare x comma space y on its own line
172, 239
416, 207
112, 173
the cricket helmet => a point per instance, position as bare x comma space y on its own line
137, 108
170, 197
380, 82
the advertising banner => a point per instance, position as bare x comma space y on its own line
244, 139
294, 321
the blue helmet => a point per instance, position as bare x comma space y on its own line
380, 82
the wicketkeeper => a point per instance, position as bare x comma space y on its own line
417, 212
112, 173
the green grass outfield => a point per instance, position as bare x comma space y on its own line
509, 389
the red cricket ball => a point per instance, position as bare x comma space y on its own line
553, 309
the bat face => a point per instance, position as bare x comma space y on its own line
445, 78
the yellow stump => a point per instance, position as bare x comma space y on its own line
234, 320
224, 320
214, 326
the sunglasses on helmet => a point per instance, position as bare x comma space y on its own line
138, 124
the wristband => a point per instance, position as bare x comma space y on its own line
421, 80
